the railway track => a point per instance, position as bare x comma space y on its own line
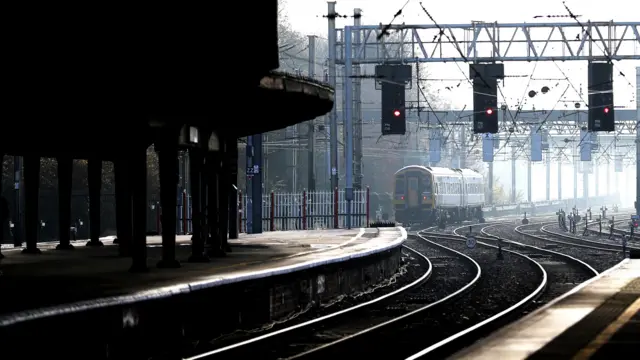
563, 273
487, 302
301, 338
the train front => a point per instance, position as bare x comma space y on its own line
413, 196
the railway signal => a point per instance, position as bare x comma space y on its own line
485, 96
601, 110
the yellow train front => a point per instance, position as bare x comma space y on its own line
427, 195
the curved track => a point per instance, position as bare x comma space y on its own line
349, 322
491, 298
563, 271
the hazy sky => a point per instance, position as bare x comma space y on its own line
305, 16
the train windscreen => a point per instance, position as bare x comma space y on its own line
400, 185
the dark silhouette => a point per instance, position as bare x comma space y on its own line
4, 216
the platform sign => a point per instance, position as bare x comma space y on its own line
585, 145
487, 147
618, 163
536, 146
471, 242
435, 145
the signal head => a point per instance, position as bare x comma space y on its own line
606, 110
396, 113
489, 111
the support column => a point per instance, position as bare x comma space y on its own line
233, 192
357, 109
195, 175
608, 177
256, 185
348, 123
224, 190
560, 176
597, 176
5, 210
585, 185
575, 174
331, 34
548, 177
311, 125
214, 200
124, 225
513, 175
31, 194
17, 212
169, 169
529, 181
138, 173
95, 183
65, 174
490, 184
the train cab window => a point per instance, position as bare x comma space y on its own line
400, 185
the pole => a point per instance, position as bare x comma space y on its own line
637, 141
529, 181
357, 108
490, 184
513, 175
17, 224
548, 180
311, 166
249, 185
348, 122
597, 176
559, 175
256, 195
575, 173
463, 147
331, 16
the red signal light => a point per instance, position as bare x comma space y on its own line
489, 111
606, 110
396, 113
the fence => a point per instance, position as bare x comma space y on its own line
293, 211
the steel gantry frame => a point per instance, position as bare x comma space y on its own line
475, 42
491, 42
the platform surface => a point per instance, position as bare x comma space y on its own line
597, 319
79, 277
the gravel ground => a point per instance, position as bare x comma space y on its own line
503, 284
563, 274
600, 260
413, 268
604, 239
450, 274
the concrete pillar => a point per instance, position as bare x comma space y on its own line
232, 150
138, 173
225, 191
197, 239
168, 158
65, 173
214, 200
95, 183
124, 226
31, 194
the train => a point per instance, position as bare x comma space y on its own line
436, 195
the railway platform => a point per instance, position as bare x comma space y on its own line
266, 277
597, 320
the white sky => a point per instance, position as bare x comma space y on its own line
306, 17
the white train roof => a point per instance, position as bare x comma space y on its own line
443, 171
